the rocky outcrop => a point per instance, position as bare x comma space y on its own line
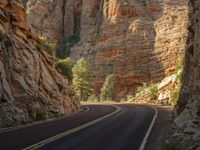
162, 93
29, 82
56, 20
188, 108
137, 41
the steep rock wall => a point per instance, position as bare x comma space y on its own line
188, 107
28, 79
135, 41
54, 19
138, 41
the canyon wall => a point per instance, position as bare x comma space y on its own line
188, 108
29, 83
136, 40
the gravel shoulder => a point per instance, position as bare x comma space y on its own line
161, 129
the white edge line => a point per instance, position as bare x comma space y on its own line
144, 142
58, 136
40, 122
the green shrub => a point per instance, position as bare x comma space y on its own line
141, 89
48, 47
41, 114
153, 88
177, 145
171, 146
64, 67
93, 98
107, 91
179, 63
130, 98
174, 95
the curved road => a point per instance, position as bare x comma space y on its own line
124, 130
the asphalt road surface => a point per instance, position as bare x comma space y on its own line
124, 130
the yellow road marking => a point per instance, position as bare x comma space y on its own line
56, 137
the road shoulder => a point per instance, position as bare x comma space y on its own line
161, 129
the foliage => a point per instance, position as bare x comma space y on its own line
64, 67
179, 67
68, 42
171, 146
179, 63
174, 95
82, 79
142, 89
130, 98
41, 114
48, 47
153, 88
93, 98
107, 91
175, 145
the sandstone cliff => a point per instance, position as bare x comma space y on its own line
28, 79
188, 108
57, 20
137, 40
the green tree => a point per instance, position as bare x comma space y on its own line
107, 91
82, 79
64, 67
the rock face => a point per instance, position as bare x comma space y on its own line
28, 79
136, 40
189, 98
55, 19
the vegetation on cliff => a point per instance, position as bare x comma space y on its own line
82, 79
64, 67
107, 91
48, 47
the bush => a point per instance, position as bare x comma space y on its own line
64, 67
179, 63
171, 146
48, 47
174, 95
142, 89
153, 88
41, 114
107, 91
93, 98
177, 145
130, 98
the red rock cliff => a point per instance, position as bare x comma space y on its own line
28, 79
138, 41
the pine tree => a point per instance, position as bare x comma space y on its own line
107, 91
82, 79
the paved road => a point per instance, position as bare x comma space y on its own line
122, 131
